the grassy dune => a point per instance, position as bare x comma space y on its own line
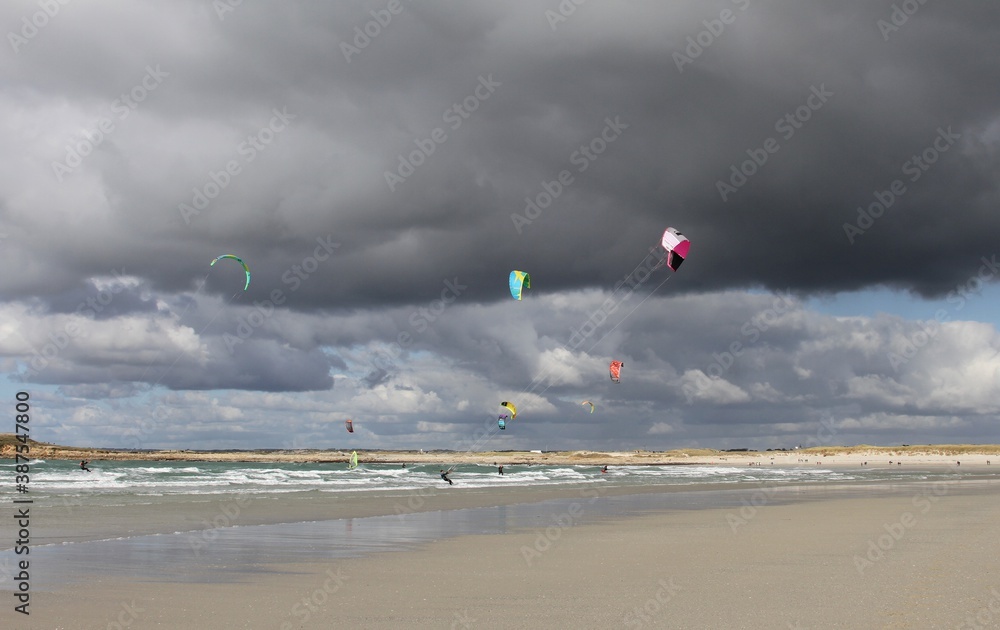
923, 449
846, 454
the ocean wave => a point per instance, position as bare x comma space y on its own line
61, 479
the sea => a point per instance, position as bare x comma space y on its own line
226, 549
57, 480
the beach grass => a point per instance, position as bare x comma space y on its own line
579, 457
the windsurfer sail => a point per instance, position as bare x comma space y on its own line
353, 463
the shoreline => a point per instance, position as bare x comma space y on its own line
945, 454
99, 520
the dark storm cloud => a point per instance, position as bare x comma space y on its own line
517, 99
263, 366
377, 376
102, 300
382, 175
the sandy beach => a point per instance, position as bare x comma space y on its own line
923, 455
917, 555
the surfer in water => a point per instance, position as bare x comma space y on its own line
444, 475
83, 464
605, 469
501, 469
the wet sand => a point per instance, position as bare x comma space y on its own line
913, 556
105, 517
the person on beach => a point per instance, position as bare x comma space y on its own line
444, 475
501, 469
83, 464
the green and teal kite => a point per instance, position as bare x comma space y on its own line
519, 280
239, 260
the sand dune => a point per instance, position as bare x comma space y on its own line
942, 454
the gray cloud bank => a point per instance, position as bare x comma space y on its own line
382, 166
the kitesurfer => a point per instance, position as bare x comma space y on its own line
444, 475
605, 469
83, 464
615, 369
501, 469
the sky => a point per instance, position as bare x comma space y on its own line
381, 166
